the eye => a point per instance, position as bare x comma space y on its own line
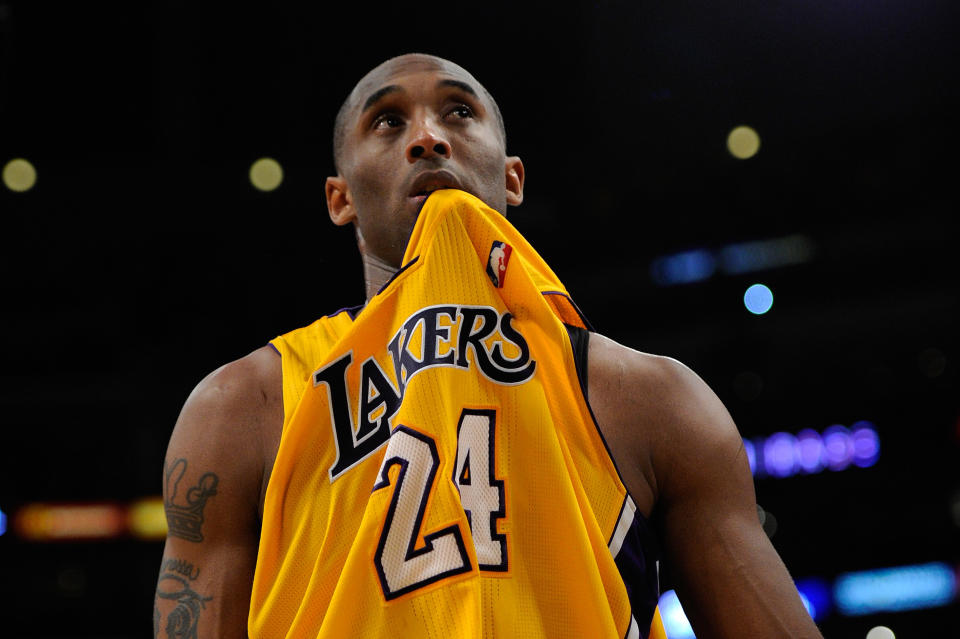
462, 111
387, 121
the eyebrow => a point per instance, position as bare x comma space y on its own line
463, 86
378, 95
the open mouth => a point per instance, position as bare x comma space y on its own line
428, 182
424, 194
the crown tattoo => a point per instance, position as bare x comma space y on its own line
186, 520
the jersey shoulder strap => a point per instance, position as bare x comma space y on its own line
303, 349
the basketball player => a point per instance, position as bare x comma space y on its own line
461, 456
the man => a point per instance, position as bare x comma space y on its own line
525, 511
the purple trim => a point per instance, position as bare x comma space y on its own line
397, 274
605, 445
584, 392
353, 311
639, 573
270, 344
638, 553
583, 318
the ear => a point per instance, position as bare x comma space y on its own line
514, 170
339, 201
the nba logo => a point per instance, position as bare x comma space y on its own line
497, 262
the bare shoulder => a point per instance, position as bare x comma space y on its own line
663, 417
623, 366
251, 383
230, 421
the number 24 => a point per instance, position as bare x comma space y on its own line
401, 566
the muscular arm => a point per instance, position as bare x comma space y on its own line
679, 448
212, 478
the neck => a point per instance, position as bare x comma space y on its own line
376, 273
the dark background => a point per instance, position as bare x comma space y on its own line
143, 258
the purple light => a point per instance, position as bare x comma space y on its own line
778, 455
866, 444
751, 455
838, 447
810, 450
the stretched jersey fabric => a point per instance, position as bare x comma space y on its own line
440, 474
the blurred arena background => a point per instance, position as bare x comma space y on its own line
677, 155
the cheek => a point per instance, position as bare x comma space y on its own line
493, 170
369, 181
374, 189
487, 156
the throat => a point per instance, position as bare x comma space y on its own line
376, 273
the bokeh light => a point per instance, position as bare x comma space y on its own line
147, 518
769, 524
837, 447
683, 268
815, 594
751, 451
19, 175
266, 174
866, 444
758, 299
675, 621
743, 142
895, 589
51, 522
880, 632
779, 456
810, 450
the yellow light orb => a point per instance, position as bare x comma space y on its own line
19, 175
147, 518
743, 142
266, 174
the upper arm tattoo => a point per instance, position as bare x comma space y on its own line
185, 520
176, 575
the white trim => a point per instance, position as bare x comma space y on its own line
627, 515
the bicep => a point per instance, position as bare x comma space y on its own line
728, 575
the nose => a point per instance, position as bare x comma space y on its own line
427, 142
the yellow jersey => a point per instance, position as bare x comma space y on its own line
440, 473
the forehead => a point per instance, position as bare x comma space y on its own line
406, 70
393, 71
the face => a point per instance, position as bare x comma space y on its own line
414, 125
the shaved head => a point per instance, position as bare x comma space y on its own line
366, 90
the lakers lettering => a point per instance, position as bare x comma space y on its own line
436, 336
